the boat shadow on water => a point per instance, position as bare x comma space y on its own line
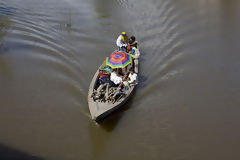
110, 121
101, 133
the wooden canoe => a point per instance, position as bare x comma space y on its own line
99, 110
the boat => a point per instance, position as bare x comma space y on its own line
101, 109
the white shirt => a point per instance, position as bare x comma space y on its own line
120, 42
116, 79
136, 54
133, 77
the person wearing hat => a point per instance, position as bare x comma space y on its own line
122, 41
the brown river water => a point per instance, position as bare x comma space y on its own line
187, 104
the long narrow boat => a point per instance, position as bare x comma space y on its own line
98, 109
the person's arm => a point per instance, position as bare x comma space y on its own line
134, 44
134, 56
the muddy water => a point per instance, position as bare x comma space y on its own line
186, 105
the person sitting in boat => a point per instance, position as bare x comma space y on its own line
104, 76
125, 84
104, 82
104, 73
122, 41
132, 76
115, 78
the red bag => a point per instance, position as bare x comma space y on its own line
128, 48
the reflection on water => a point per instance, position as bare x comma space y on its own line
185, 107
100, 135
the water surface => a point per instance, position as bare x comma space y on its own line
187, 103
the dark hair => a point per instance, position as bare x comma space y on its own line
132, 38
